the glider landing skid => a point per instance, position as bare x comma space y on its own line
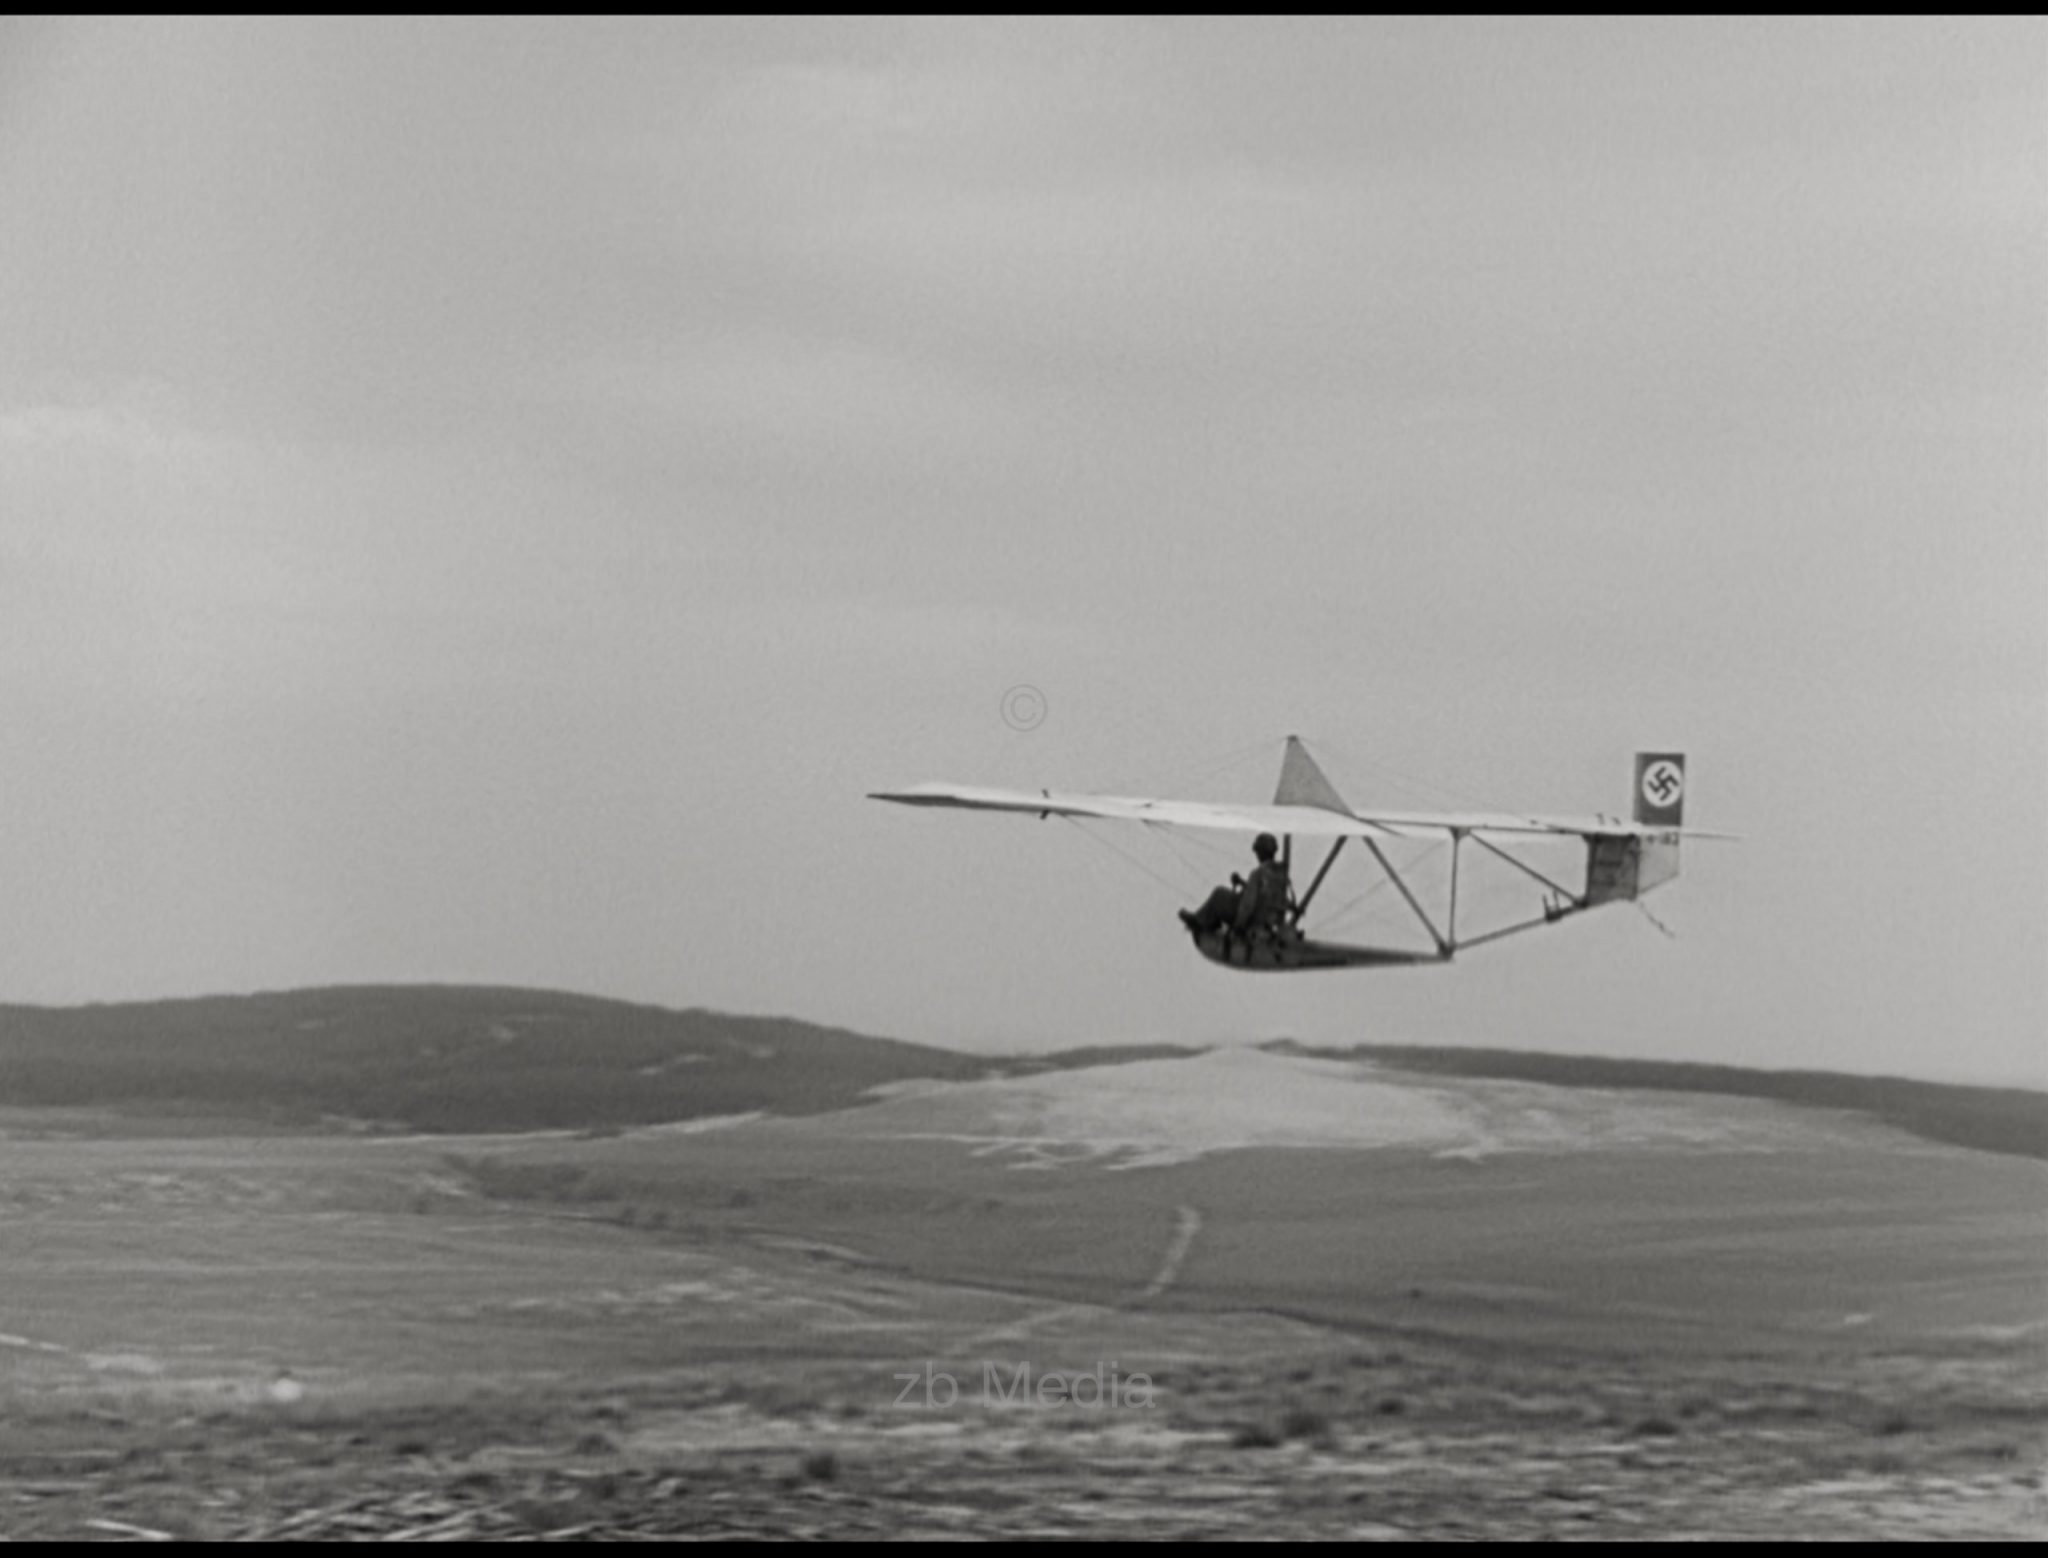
1286, 953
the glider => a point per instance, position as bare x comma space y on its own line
1623, 860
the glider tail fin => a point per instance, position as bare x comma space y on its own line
1660, 803
1623, 866
1660, 789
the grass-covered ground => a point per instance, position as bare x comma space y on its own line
468, 1059
1306, 1438
1569, 1311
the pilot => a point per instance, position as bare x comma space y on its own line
1263, 900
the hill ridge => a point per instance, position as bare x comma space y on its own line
458, 1058
1990, 1119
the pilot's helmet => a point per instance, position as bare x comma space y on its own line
1265, 846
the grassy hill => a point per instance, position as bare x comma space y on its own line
471, 1059
1990, 1119
444, 1058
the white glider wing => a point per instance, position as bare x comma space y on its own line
1303, 821
1505, 825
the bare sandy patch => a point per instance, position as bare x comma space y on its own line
1155, 1112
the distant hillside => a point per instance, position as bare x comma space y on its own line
445, 1058
1095, 1055
1992, 1119
464, 1059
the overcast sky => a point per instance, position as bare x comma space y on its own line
484, 501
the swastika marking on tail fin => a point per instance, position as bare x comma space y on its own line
1663, 783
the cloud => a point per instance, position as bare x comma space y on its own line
1105, 207
136, 422
765, 398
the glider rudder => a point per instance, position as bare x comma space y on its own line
1660, 789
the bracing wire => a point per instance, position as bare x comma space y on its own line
1237, 757
1379, 884
1332, 921
1200, 843
1409, 784
1666, 929
1179, 892
1173, 847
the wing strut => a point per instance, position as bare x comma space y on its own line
1457, 840
1555, 908
1552, 913
1443, 947
1329, 860
1526, 869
